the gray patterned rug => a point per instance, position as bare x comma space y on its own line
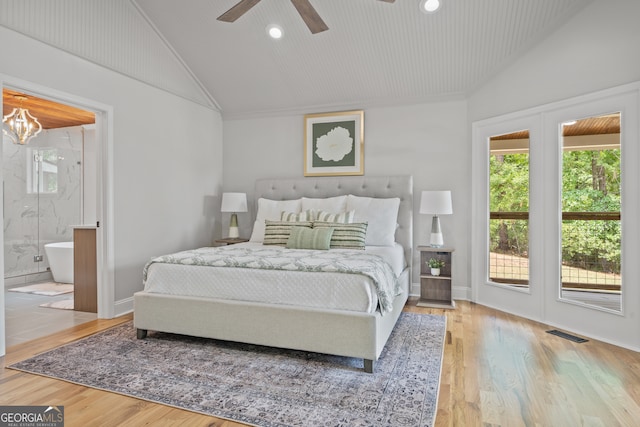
258, 385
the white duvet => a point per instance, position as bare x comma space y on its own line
352, 292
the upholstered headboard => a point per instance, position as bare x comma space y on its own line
365, 186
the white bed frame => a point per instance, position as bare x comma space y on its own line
336, 332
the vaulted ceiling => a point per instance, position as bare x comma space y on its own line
374, 52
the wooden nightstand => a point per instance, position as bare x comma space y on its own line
435, 291
229, 241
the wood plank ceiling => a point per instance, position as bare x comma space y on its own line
599, 125
51, 115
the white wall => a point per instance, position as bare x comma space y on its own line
595, 50
167, 155
428, 141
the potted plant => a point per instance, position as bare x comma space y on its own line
435, 265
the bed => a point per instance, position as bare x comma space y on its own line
281, 320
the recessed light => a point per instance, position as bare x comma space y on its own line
429, 6
275, 31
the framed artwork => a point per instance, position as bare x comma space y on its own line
334, 143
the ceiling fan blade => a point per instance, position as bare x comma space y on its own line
238, 10
310, 16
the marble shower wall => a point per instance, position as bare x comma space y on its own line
42, 196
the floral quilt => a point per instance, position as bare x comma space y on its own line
280, 258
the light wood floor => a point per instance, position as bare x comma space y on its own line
25, 320
498, 370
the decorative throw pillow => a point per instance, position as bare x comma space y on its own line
307, 238
344, 217
297, 217
277, 232
345, 236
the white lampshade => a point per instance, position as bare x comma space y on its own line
234, 202
436, 203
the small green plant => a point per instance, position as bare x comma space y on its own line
436, 263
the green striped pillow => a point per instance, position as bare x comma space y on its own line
306, 238
297, 217
277, 232
345, 236
343, 218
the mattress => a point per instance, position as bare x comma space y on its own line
339, 291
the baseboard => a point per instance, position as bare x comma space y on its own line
123, 306
461, 293
414, 291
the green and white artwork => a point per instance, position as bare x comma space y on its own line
334, 143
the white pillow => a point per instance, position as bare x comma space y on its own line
380, 214
271, 210
330, 204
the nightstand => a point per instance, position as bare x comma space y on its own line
229, 241
435, 291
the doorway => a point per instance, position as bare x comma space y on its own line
60, 185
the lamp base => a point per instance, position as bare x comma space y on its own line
233, 227
436, 239
234, 233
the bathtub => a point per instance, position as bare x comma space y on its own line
60, 256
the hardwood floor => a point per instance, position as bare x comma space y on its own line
498, 370
25, 320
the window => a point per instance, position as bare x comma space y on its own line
42, 168
591, 196
509, 208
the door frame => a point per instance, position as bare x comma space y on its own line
542, 302
104, 194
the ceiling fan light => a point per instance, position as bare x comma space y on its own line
275, 31
429, 6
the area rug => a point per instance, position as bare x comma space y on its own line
65, 304
258, 385
48, 289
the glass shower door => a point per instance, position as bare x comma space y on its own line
20, 208
42, 198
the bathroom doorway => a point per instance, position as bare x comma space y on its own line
49, 186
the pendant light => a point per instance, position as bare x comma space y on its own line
20, 125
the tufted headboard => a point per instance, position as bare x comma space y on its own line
365, 186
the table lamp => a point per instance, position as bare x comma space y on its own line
234, 202
436, 203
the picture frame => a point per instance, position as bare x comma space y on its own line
334, 143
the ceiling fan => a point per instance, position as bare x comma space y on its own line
304, 8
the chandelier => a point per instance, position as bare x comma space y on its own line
20, 125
